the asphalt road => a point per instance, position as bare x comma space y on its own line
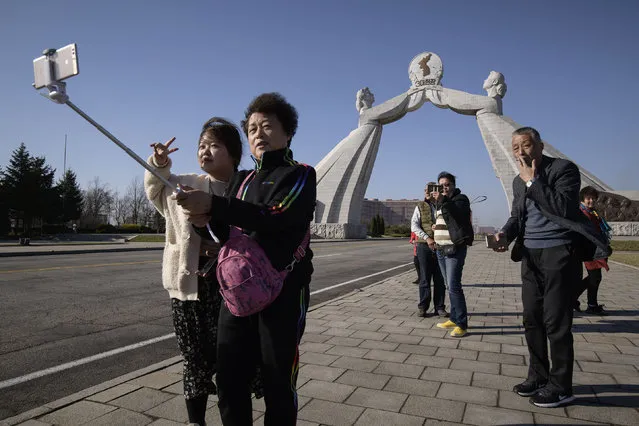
63, 308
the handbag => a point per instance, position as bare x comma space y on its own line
248, 281
448, 250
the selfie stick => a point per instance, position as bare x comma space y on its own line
58, 94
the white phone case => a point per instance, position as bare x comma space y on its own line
65, 66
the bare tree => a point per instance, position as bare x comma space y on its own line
137, 200
147, 214
98, 199
121, 209
159, 223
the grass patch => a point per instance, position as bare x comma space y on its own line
627, 258
625, 245
147, 238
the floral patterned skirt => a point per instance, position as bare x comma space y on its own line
195, 323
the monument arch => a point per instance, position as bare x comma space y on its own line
344, 173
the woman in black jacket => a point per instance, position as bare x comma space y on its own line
275, 208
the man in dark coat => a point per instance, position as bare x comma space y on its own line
552, 239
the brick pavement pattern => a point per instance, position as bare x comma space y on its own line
368, 359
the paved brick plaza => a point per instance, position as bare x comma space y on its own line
368, 360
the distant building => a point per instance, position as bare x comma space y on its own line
484, 230
399, 212
394, 212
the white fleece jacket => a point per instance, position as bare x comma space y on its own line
182, 246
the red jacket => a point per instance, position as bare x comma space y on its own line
596, 221
413, 240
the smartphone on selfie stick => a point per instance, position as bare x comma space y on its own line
56, 65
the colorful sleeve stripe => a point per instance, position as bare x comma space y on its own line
241, 193
293, 194
301, 323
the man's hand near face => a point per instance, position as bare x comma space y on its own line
526, 172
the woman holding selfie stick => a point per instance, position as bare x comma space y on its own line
275, 208
195, 300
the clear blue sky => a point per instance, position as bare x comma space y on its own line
155, 69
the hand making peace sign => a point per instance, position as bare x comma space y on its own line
162, 151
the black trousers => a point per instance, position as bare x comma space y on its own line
549, 277
591, 283
429, 270
269, 339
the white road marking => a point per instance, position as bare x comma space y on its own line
67, 365
623, 264
322, 290
102, 355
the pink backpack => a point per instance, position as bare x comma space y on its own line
248, 281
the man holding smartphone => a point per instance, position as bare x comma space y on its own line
453, 234
422, 226
551, 238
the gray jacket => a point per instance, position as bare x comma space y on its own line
556, 192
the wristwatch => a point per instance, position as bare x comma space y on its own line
530, 182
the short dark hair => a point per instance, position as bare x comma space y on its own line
588, 191
448, 176
276, 104
530, 131
227, 133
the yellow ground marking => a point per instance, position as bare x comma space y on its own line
97, 265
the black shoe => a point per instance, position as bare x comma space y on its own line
547, 398
596, 310
416, 281
422, 313
442, 313
528, 388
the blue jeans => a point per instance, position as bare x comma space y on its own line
429, 270
452, 267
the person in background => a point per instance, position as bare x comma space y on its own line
453, 234
412, 240
588, 196
421, 225
551, 239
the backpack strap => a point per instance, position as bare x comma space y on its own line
299, 253
234, 230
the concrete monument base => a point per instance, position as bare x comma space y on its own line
338, 230
629, 229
